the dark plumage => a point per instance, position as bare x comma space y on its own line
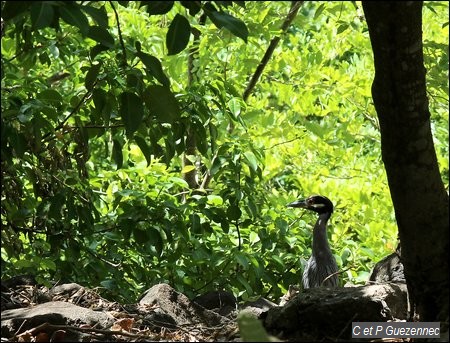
322, 263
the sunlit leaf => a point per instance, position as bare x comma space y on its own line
144, 148
235, 107
342, 28
188, 168
251, 159
319, 10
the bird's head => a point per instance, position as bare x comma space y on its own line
316, 203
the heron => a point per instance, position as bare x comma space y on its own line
321, 269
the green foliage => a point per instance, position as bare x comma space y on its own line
252, 330
97, 114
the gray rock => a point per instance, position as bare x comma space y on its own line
258, 307
221, 302
329, 312
56, 312
179, 308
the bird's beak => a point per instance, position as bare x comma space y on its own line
298, 203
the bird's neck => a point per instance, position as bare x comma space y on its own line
320, 239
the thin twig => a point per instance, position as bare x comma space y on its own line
122, 44
295, 6
284, 142
75, 109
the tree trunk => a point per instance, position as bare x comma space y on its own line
417, 191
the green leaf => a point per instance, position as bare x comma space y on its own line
46, 263
252, 330
195, 223
99, 98
162, 103
242, 260
117, 153
95, 50
18, 143
56, 204
240, 3
279, 261
91, 76
233, 212
158, 7
245, 283
217, 165
235, 107
319, 10
252, 161
142, 144
41, 15
179, 182
342, 28
187, 169
50, 95
98, 14
140, 235
225, 226
155, 240
192, 6
234, 25
177, 37
11, 9
281, 225
109, 284
154, 68
70, 12
131, 111
101, 35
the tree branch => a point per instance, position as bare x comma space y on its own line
75, 109
122, 44
295, 6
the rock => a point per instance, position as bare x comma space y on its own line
67, 289
258, 307
389, 269
19, 280
328, 312
56, 312
221, 302
174, 308
292, 292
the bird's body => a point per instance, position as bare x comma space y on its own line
321, 269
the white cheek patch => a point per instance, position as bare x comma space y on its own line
318, 205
